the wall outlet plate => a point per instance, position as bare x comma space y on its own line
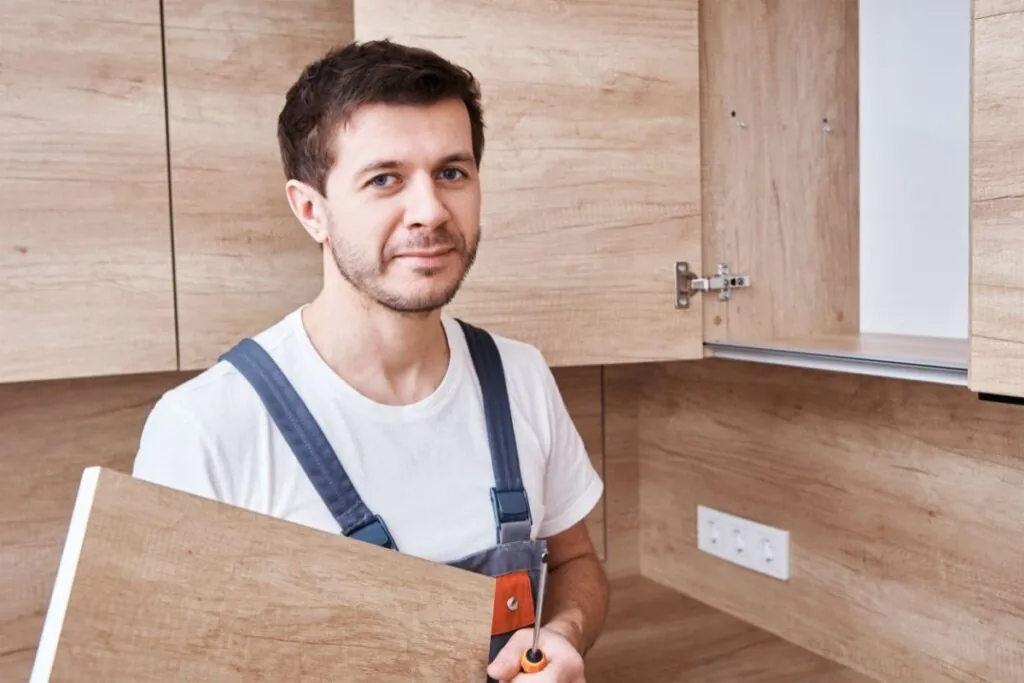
743, 542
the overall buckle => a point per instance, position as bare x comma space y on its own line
510, 506
376, 532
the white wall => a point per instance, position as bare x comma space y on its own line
914, 135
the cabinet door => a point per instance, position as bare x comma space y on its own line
780, 150
85, 255
997, 199
242, 259
591, 169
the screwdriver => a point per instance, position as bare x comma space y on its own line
533, 659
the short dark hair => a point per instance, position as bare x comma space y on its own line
330, 89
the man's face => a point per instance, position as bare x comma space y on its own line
403, 204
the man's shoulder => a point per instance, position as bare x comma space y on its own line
527, 373
219, 399
517, 356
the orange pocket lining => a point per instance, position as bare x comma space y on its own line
512, 586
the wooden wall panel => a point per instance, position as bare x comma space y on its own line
656, 635
85, 256
997, 199
622, 384
581, 390
155, 584
903, 501
780, 198
50, 432
591, 174
242, 258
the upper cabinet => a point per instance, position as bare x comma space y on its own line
997, 199
801, 182
836, 168
85, 258
591, 170
242, 259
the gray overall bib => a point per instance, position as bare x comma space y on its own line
515, 558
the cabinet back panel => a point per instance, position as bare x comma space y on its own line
903, 501
780, 199
914, 137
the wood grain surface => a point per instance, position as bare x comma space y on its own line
779, 149
591, 173
656, 635
581, 389
243, 260
622, 385
997, 198
85, 257
51, 431
902, 499
166, 585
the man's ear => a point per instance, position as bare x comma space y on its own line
310, 207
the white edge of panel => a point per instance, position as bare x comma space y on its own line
53, 623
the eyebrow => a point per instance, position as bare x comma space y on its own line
390, 164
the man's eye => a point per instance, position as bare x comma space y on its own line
381, 180
451, 174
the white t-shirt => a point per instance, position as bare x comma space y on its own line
425, 467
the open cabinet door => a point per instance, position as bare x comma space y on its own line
997, 199
591, 168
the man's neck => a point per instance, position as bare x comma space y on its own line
390, 358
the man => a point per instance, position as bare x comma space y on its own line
381, 146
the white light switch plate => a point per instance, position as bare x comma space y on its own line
757, 547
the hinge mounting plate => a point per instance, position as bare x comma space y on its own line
689, 283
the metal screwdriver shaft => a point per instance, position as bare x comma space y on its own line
533, 660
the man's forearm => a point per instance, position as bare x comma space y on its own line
577, 600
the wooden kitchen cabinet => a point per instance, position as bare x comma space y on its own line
242, 259
634, 152
633, 147
85, 259
631, 144
591, 169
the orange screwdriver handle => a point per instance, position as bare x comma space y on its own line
533, 661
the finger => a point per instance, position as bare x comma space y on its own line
506, 664
548, 675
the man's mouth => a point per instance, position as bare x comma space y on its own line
425, 253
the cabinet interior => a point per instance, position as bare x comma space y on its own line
836, 175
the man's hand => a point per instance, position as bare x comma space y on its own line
565, 665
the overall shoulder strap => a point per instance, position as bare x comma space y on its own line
508, 497
308, 442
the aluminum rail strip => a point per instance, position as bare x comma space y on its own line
836, 361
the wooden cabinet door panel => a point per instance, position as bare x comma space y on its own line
242, 258
591, 171
85, 257
997, 200
780, 149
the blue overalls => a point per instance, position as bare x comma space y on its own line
515, 558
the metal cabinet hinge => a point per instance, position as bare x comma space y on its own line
689, 283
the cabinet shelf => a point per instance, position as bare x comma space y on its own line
918, 358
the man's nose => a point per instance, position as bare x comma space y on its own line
425, 207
